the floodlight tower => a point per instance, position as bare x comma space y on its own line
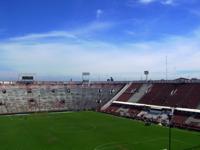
86, 77
146, 73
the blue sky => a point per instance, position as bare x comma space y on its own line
119, 38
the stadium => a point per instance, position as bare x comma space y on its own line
110, 115
99, 75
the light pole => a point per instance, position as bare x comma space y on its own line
170, 116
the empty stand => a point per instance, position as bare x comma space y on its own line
140, 93
174, 95
131, 90
18, 98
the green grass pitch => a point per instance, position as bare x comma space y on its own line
88, 131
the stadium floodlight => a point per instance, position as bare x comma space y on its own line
86, 77
146, 73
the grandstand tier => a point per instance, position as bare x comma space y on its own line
155, 101
148, 101
21, 98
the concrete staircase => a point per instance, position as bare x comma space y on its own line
116, 96
140, 93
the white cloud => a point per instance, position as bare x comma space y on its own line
99, 12
164, 2
75, 34
146, 1
52, 34
66, 57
